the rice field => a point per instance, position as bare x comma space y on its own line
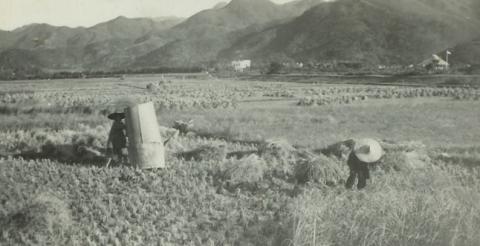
263, 163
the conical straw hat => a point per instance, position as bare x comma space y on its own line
117, 115
368, 150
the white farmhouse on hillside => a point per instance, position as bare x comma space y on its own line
241, 65
435, 63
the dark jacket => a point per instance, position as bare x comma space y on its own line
358, 169
117, 135
357, 165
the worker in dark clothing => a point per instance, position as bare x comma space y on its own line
358, 169
117, 139
365, 152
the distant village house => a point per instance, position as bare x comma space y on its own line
241, 65
435, 63
293, 64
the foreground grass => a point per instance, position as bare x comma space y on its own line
426, 208
257, 200
127, 207
44, 202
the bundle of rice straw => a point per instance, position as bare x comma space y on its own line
319, 169
280, 156
246, 171
405, 156
340, 150
183, 126
205, 152
46, 217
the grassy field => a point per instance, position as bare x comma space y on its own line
432, 121
254, 168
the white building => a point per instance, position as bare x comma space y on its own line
241, 65
436, 63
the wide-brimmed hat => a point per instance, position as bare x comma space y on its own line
116, 116
368, 150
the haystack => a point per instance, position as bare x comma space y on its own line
246, 171
76, 152
319, 169
153, 87
46, 217
168, 133
417, 159
205, 153
183, 126
279, 148
62, 152
280, 156
340, 150
404, 156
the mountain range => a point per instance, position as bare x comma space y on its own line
368, 31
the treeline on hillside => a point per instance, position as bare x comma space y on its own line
358, 68
36, 73
272, 68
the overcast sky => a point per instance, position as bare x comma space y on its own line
16, 13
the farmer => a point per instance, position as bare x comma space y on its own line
117, 139
365, 152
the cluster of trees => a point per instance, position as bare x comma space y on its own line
358, 68
274, 67
37, 73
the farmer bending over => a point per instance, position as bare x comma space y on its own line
365, 152
117, 139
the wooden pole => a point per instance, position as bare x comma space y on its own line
448, 64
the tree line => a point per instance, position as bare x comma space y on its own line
37, 73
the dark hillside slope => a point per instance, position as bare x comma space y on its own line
104, 46
466, 53
369, 31
201, 37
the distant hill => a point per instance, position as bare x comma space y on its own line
368, 31
299, 6
220, 5
36, 36
17, 59
6, 39
17, 63
103, 46
202, 36
466, 53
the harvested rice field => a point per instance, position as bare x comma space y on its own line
247, 163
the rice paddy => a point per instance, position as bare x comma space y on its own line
248, 163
